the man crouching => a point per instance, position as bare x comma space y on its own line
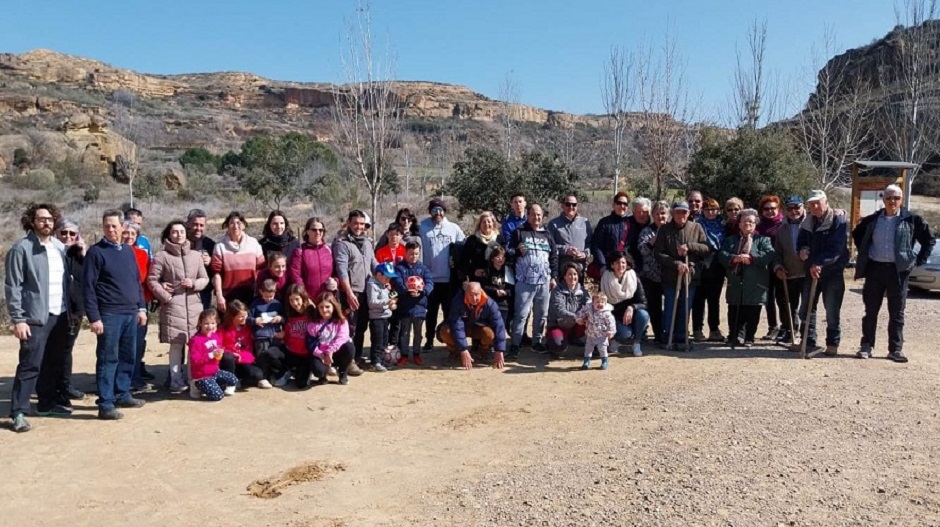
475, 316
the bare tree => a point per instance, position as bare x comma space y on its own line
618, 93
509, 95
911, 121
756, 96
366, 111
138, 131
833, 130
665, 112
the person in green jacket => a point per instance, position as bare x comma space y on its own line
746, 257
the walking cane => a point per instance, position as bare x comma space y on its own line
735, 329
810, 308
786, 301
675, 304
688, 310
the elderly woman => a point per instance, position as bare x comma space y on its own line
176, 277
650, 272
236, 260
566, 300
277, 235
475, 259
68, 233
312, 263
625, 292
771, 218
131, 232
746, 257
713, 276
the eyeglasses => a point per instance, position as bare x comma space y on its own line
571, 205
711, 209
622, 203
437, 210
792, 208
45, 219
68, 233
893, 198
314, 229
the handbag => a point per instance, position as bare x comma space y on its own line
595, 269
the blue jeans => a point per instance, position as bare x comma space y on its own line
529, 297
116, 354
679, 329
139, 348
832, 289
626, 333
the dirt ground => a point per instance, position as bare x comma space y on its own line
715, 437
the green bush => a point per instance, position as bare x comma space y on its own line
35, 179
200, 157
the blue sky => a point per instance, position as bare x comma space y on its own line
554, 48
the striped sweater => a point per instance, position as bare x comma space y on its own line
238, 263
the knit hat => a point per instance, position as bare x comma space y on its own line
435, 203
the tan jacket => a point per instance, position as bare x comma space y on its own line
786, 254
179, 311
668, 240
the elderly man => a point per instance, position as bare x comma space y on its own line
571, 233
787, 264
114, 304
473, 315
639, 220
680, 247
37, 284
822, 248
353, 261
885, 241
199, 242
536, 265
438, 235
696, 202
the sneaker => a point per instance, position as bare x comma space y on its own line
748, 344
401, 362
716, 336
343, 379
783, 337
698, 336
418, 360
354, 369
897, 356
110, 415
526, 340
331, 372
177, 389
74, 394
20, 424
131, 402
56, 410
229, 390
771, 334
513, 352
144, 374
832, 351
265, 384
586, 365
538, 347
428, 346
379, 368
637, 350
864, 352
282, 380
734, 343
604, 363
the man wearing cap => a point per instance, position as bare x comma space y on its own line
680, 248
473, 316
885, 242
822, 248
788, 266
438, 235
353, 259
571, 233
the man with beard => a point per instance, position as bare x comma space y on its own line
353, 261
438, 235
199, 242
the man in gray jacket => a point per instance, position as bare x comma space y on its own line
353, 260
788, 266
37, 286
571, 233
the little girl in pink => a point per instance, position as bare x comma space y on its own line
205, 351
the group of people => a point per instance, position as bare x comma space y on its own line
282, 308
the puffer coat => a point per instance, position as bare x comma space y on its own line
179, 310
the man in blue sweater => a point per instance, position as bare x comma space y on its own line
114, 304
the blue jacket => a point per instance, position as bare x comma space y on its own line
410, 306
260, 308
461, 315
510, 223
826, 240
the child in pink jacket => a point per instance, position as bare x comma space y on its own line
328, 340
205, 352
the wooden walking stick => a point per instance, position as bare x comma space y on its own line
786, 301
688, 311
675, 304
810, 308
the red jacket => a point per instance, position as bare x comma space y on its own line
239, 340
143, 265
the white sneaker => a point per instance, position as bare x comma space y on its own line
282, 380
637, 351
229, 390
265, 384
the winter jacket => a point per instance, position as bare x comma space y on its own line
295, 335
311, 266
239, 340
143, 270
179, 310
651, 269
386, 255
786, 252
576, 233
378, 299
539, 264
201, 365
352, 262
910, 228
474, 257
826, 240
461, 315
238, 263
410, 306
510, 223
330, 334
598, 323
494, 280
437, 240
564, 305
27, 280
285, 243
611, 234
76, 263
668, 240
266, 310
280, 283
754, 278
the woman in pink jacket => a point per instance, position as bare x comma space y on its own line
311, 265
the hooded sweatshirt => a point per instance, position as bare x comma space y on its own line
539, 264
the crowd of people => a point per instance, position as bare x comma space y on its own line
293, 308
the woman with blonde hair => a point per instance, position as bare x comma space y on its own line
476, 252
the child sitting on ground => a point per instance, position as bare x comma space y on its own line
599, 327
205, 352
381, 305
413, 284
328, 340
238, 342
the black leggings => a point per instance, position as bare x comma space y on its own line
277, 361
248, 374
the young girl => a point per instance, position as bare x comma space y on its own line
599, 328
328, 341
495, 285
205, 352
238, 343
295, 359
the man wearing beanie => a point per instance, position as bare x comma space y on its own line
437, 236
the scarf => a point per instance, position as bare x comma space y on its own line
744, 247
475, 309
489, 241
620, 290
357, 240
281, 240
825, 223
769, 227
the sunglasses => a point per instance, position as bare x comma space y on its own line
571, 204
770, 208
732, 210
893, 198
68, 233
622, 203
436, 210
